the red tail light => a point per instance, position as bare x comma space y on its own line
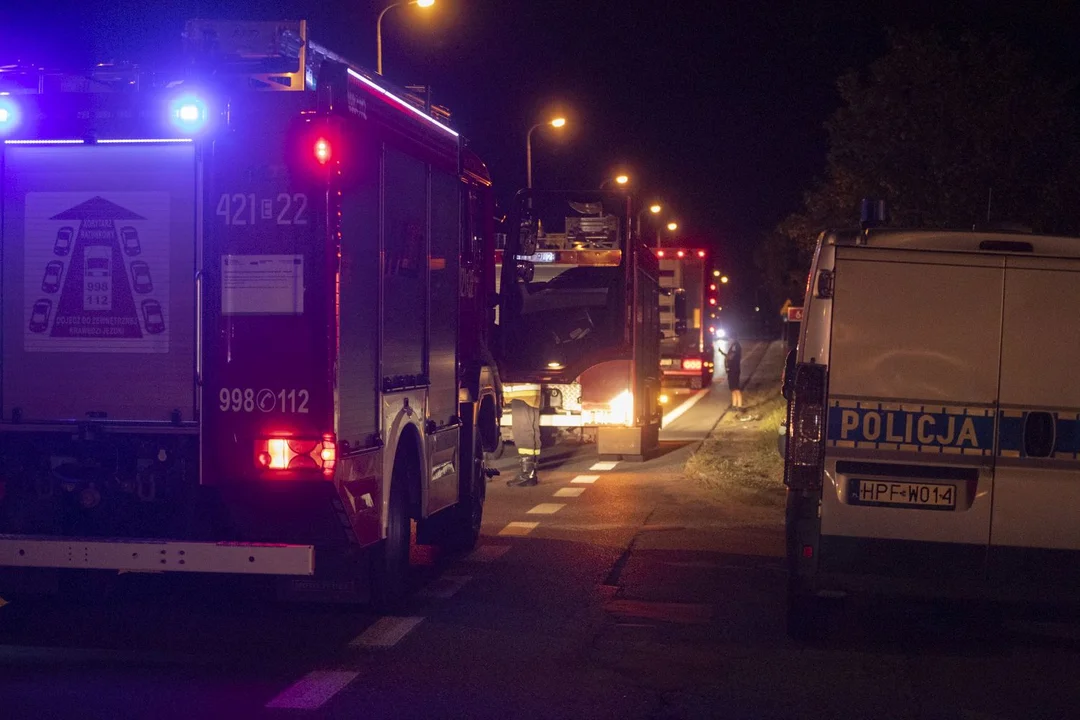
805, 457
323, 151
284, 454
691, 364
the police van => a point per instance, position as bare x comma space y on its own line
933, 433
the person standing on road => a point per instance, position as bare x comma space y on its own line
525, 423
733, 370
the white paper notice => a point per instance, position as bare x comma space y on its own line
262, 284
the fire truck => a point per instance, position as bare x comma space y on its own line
245, 320
686, 352
579, 325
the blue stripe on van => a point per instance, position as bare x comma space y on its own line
933, 429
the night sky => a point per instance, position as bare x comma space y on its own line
715, 108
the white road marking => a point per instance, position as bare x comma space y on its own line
386, 632
446, 586
518, 529
605, 465
588, 479
546, 509
569, 492
487, 553
677, 412
313, 690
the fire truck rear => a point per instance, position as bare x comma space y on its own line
579, 331
245, 313
686, 352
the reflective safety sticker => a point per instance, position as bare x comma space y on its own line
911, 428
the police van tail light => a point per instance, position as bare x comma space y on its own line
805, 456
297, 456
691, 364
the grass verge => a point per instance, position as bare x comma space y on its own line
740, 458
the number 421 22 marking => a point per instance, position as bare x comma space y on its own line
246, 209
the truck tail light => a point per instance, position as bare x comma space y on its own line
691, 364
323, 151
805, 457
283, 454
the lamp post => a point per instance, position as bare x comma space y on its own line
378, 28
671, 226
555, 123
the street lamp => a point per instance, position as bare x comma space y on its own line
671, 226
555, 123
724, 279
378, 28
654, 209
620, 179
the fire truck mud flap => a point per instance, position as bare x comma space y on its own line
157, 556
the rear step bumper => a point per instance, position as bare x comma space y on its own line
156, 555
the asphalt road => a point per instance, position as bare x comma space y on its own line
607, 591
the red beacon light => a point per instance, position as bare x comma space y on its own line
659, 253
712, 301
323, 151
681, 254
701, 253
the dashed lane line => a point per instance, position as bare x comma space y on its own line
605, 465
518, 529
569, 492
487, 553
313, 690
546, 509
386, 632
587, 479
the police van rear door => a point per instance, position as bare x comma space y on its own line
1035, 532
913, 377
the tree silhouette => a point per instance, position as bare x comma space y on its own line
951, 136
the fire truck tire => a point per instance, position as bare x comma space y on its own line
463, 531
390, 561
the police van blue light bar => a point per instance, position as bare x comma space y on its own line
383, 91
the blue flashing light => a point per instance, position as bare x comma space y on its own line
9, 115
188, 113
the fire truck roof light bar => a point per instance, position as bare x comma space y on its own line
399, 101
142, 141
44, 142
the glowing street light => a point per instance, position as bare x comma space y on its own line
555, 123
378, 27
654, 208
716, 273
724, 279
672, 226
622, 179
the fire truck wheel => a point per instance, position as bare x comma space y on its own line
468, 514
390, 571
